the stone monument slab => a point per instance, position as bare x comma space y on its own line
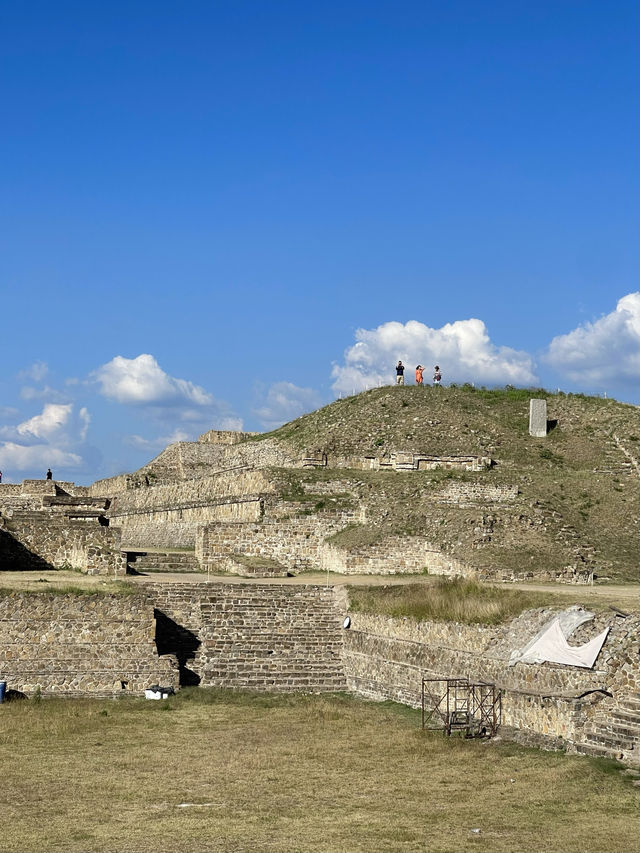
538, 418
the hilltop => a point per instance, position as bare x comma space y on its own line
563, 505
578, 487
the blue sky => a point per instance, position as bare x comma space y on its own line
226, 214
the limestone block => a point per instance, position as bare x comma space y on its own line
538, 418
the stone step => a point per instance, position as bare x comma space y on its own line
632, 732
165, 562
597, 750
631, 704
610, 741
626, 717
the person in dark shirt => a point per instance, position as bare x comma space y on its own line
399, 373
49, 474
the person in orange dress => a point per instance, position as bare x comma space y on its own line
419, 372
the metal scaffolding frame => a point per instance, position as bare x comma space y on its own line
457, 704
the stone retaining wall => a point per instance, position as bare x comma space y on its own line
258, 637
296, 542
80, 644
470, 493
386, 659
394, 555
264, 637
64, 543
290, 638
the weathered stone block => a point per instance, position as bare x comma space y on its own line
538, 418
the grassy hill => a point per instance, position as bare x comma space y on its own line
578, 487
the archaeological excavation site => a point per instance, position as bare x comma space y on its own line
270, 562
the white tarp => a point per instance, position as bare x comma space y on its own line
550, 644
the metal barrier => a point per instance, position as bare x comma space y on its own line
457, 704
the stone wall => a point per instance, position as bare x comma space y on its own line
290, 638
408, 461
169, 515
178, 528
226, 635
264, 637
548, 703
299, 540
64, 543
187, 460
40, 521
225, 436
287, 535
472, 493
80, 644
394, 555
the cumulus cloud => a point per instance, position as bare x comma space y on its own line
51, 438
53, 418
285, 401
141, 381
20, 457
463, 350
604, 352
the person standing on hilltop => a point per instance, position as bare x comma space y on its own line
49, 474
419, 372
399, 373
437, 376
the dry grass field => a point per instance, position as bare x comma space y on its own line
210, 770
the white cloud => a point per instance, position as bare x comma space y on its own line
36, 372
85, 420
462, 349
152, 444
141, 381
28, 392
9, 413
604, 352
18, 457
49, 439
53, 418
285, 401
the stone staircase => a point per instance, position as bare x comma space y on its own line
158, 561
615, 462
615, 731
258, 636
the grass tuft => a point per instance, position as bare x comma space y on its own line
446, 600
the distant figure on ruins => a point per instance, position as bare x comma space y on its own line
399, 373
437, 376
49, 474
419, 372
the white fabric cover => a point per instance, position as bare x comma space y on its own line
551, 644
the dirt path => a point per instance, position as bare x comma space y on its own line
624, 596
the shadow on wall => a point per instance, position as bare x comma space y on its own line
174, 639
16, 557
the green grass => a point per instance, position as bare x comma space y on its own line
106, 587
215, 771
446, 600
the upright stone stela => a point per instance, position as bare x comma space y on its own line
538, 418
